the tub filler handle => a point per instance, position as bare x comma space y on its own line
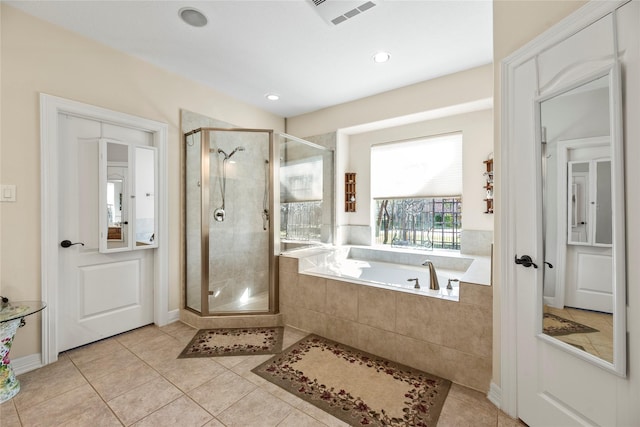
417, 284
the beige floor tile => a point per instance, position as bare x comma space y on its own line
47, 382
187, 374
282, 394
299, 419
107, 364
158, 348
128, 378
141, 401
213, 423
96, 350
244, 368
9, 415
142, 380
179, 329
505, 420
79, 407
320, 415
258, 408
461, 413
230, 361
181, 412
472, 397
221, 392
139, 336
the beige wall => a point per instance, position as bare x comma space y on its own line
447, 91
514, 24
39, 57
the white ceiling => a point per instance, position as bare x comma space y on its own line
250, 48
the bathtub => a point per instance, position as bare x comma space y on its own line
391, 269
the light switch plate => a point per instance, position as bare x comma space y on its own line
7, 193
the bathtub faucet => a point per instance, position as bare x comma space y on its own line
433, 278
417, 285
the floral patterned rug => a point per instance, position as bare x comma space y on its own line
357, 387
556, 326
234, 342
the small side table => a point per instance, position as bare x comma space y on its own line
12, 316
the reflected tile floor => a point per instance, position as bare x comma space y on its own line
135, 379
599, 343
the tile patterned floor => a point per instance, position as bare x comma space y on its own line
134, 379
599, 343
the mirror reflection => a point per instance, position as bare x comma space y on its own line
115, 191
128, 206
145, 201
117, 163
578, 215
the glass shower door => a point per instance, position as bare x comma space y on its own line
229, 238
240, 248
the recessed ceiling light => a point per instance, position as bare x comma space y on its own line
193, 17
272, 96
381, 57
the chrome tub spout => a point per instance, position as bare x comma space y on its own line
433, 277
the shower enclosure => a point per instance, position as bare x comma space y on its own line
229, 246
230, 237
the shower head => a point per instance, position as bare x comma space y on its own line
236, 150
227, 157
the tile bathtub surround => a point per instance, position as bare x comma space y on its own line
156, 389
446, 338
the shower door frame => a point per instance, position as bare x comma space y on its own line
204, 225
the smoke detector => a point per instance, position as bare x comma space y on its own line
337, 11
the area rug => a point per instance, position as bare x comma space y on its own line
556, 326
234, 342
357, 387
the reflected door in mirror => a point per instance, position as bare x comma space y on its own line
581, 172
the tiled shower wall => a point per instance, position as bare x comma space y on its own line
239, 246
445, 338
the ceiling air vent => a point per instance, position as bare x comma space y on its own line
338, 11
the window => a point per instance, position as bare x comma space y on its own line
417, 188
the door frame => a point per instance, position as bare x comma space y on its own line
506, 395
50, 108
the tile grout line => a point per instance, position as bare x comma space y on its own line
184, 393
94, 389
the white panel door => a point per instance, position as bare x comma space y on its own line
554, 388
100, 295
588, 285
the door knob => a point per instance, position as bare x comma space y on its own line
526, 261
67, 243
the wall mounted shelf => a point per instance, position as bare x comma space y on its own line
488, 174
350, 192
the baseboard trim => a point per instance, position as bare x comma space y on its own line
173, 316
24, 364
495, 394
